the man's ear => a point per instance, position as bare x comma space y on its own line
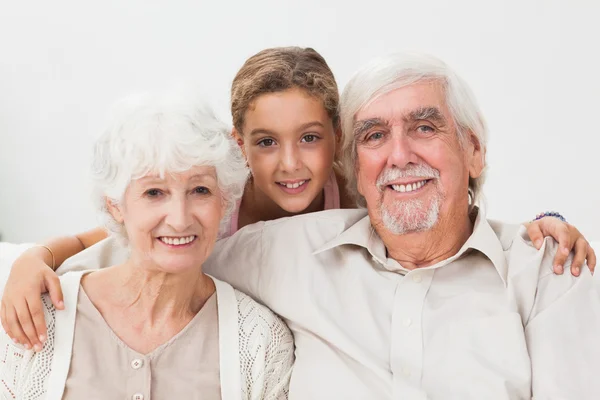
114, 210
476, 155
239, 139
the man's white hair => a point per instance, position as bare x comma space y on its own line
396, 71
163, 133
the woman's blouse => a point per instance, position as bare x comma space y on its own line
104, 367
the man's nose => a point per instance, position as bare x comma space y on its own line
401, 151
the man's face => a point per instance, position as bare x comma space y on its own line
411, 167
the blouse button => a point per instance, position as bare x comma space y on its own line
137, 363
137, 396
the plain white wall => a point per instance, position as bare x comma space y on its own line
534, 66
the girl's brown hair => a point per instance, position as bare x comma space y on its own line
279, 69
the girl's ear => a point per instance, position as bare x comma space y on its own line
338, 143
239, 139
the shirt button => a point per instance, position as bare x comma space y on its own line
407, 322
137, 363
406, 372
417, 278
137, 396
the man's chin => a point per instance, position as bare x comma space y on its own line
409, 218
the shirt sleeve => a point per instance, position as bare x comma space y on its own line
563, 331
106, 253
238, 260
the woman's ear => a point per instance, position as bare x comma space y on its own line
114, 210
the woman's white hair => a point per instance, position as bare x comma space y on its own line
395, 71
168, 133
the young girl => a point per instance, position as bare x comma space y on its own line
284, 104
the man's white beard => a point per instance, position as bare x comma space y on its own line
410, 216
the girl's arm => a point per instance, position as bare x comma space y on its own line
33, 273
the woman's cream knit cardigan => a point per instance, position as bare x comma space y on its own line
256, 350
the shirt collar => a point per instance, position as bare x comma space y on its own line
483, 239
360, 234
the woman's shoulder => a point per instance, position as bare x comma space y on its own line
252, 315
266, 350
24, 370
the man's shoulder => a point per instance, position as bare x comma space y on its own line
506, 232
329, 220
314, 229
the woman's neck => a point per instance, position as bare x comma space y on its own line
257, 206
146, 295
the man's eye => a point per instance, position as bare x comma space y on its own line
201, 190
309, 138
266, 142
425, 129
153, 192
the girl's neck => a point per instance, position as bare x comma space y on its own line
257, 206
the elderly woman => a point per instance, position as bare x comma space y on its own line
156, 327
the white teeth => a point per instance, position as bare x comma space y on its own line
177, 241
293, 185
409, 187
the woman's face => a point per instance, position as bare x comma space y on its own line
289, 142
172, 223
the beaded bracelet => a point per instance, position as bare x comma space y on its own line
550, 214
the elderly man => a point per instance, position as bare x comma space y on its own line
418, 295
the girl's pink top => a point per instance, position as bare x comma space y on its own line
332, 201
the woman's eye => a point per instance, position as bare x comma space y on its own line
153, 192
201, 190
309, 138
266, 142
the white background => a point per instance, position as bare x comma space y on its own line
534, 66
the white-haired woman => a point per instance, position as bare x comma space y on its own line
156, 327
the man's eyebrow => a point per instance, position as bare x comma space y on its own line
426, 113
364, 125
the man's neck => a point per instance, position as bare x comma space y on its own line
423, 249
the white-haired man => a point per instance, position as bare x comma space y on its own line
417, 296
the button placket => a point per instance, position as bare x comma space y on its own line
407, 336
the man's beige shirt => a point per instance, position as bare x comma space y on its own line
491, 322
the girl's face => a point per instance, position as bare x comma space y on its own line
289, 142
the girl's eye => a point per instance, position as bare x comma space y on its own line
309, 138
201, 190
153, 192
266, 142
